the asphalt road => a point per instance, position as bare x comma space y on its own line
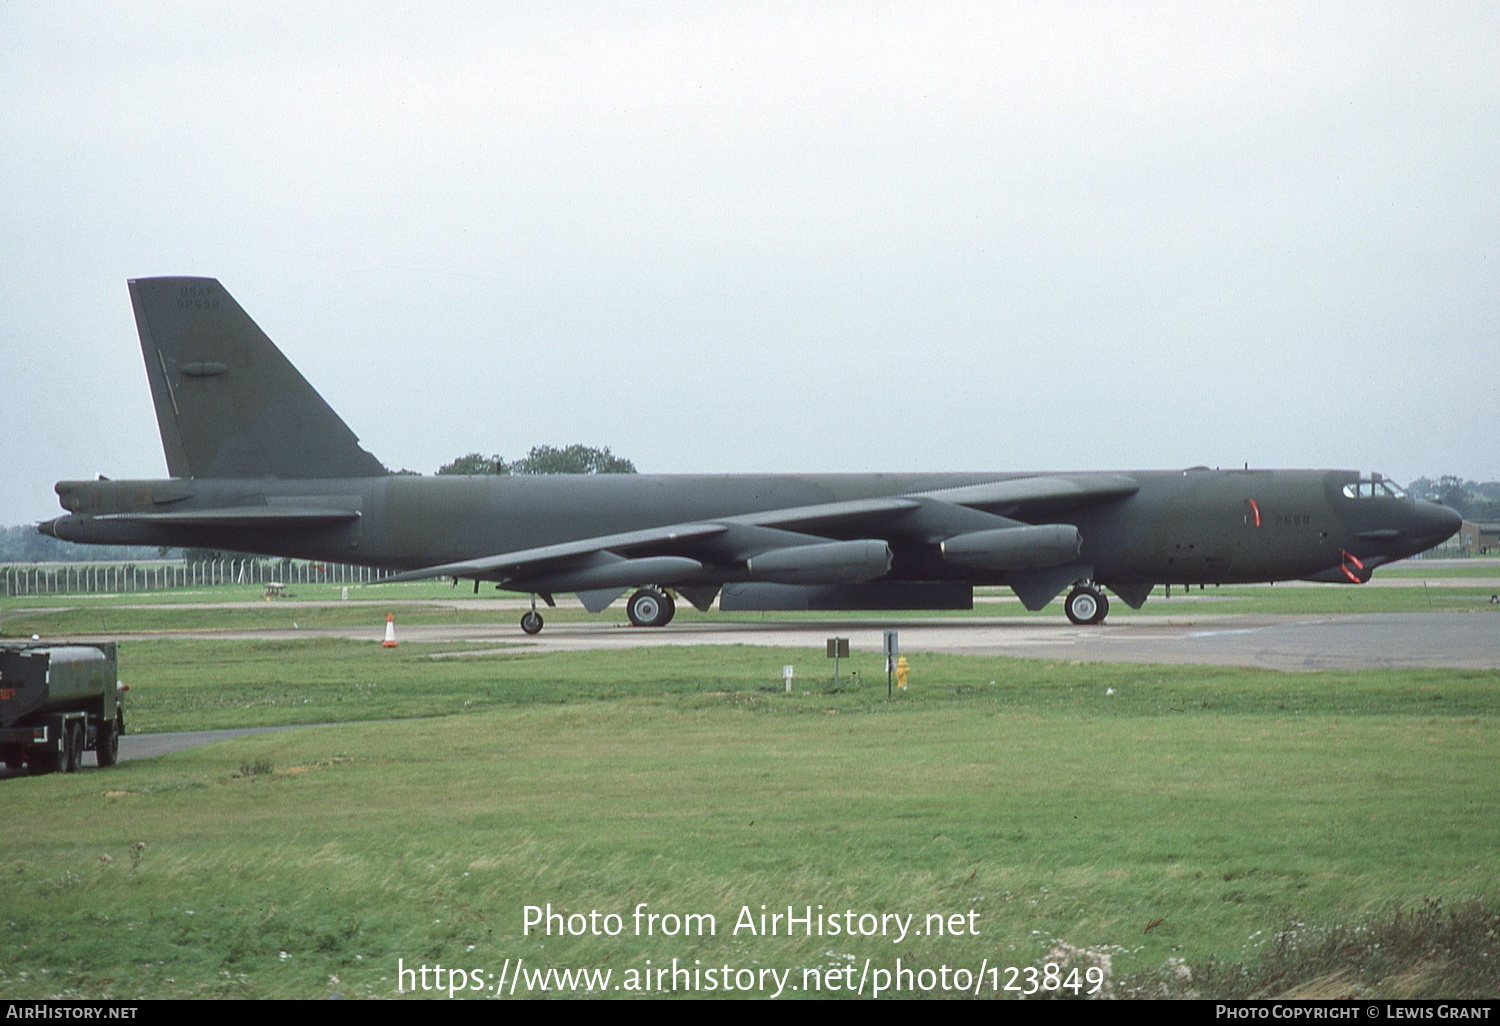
146, 746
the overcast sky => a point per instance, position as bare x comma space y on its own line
769, 237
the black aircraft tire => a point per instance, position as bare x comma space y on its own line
107, 748
1086, 606
650, 607
531, 622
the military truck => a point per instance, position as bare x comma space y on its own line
58, 701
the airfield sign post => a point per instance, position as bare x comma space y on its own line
838, 648
892, 651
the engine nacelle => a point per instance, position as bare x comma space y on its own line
845, 562
1015, 548
612, 573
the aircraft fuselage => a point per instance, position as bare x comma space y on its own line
1195, 526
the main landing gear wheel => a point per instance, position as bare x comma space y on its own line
531, 622
1086, 604
650, 607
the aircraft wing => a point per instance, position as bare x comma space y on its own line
826, 513
655, 554
1044, 494
522, 561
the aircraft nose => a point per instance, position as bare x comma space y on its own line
1435, 523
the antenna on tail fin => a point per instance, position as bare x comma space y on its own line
228, 403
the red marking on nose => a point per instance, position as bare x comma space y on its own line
1350, 557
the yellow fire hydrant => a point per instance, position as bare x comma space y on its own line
903, 671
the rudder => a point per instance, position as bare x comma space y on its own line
228, 403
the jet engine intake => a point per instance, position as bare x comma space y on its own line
844, 562
1014, 548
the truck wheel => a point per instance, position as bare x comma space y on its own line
72, 747
107, 748
13, 758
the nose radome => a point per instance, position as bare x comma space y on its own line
1438, 522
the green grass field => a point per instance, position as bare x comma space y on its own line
1197, 816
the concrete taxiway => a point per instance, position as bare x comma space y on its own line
1371, 641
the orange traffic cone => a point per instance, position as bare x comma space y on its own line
390, 631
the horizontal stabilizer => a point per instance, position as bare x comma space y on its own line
267, 517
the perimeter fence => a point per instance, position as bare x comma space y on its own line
117, 578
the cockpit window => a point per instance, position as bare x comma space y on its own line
1374, 486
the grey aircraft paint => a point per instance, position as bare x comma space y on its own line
260, 463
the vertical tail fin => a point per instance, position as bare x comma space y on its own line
228, 403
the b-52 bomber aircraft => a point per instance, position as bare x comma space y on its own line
260, 463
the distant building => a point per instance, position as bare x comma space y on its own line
1481, 537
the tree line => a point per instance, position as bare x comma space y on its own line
1472, 500
544, 459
